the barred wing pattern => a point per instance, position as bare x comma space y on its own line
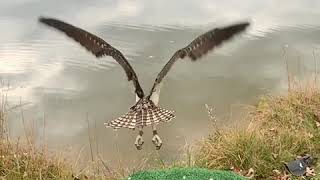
200, 46
144, 113
96, 46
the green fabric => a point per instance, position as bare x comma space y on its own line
185, 173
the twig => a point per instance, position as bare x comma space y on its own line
90, 143
87, 117
287, 68
24, 125
211, 115
315, 66
44, 133
104, 164
96, 142
78, 158
96, 137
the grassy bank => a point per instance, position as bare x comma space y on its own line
281, 129
21, 161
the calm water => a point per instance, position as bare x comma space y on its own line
62, 82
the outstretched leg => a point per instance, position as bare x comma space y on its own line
156, 139
139, 141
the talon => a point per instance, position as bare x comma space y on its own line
157, 141
159, 146
139, 142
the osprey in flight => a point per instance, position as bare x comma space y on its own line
146, 111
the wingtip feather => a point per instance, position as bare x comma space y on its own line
43, 19
243, 25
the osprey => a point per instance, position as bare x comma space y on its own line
146, 111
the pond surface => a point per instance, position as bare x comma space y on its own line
62, 83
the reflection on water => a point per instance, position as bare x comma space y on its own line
63, 82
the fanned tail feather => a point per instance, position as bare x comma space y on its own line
165, 115
145, 117
125, 121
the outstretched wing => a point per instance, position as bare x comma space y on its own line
96, 46
197, 48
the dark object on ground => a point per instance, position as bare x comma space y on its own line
299, 167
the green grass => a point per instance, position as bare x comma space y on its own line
185, 173
281, 129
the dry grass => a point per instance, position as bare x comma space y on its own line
25, 163
281, 128
22, 159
